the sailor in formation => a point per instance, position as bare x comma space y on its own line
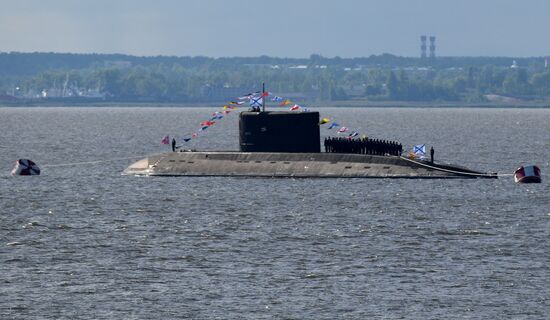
363, 146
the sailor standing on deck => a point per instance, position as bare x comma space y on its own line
432, 154
173, 144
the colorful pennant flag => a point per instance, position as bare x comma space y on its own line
208, 123
256, 99
285, 103
248, 95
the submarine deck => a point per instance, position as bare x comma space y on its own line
306, 165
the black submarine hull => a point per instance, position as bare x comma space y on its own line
302, 165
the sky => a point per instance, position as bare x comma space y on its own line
278, 28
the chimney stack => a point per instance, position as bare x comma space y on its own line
432, 47
423, 47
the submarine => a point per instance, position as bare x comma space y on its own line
287, 144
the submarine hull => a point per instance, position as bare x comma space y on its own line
306, 165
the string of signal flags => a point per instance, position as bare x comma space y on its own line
256, 101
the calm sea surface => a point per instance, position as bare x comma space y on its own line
82, 241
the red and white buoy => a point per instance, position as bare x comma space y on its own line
25, 167
527, 174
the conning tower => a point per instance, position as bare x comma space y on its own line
279, 131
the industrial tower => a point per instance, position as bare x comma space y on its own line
423, 47
432, 47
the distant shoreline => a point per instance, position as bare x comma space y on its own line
274, 107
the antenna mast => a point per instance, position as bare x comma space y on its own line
263, 96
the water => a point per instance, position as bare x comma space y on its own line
84, 242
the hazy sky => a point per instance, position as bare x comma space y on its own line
282, 28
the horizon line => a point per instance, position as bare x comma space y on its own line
275, 57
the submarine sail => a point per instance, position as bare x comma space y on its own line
279, 131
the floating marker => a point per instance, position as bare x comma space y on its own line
25, 167
527, 174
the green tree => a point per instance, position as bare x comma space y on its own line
393, 86
541, 83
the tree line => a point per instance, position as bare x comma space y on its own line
383, 77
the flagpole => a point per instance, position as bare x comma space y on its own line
263, 97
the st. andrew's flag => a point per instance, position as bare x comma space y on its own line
420, 150
256, 101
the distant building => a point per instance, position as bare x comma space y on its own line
302, 66
424, 46
432, 47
